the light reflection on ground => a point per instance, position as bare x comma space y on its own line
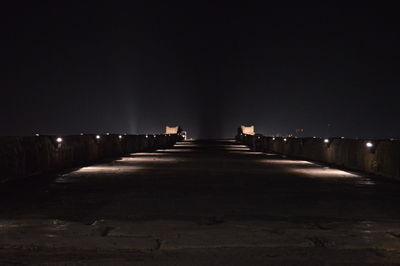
366, 181
150, 159
313, 170
186, 144
245, 152
108, 169
149, 153
126, 164
323, 172
236, 148
287, 162
177, 150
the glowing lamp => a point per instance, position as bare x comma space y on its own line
59, 140
98, 137
326, 140
369, 144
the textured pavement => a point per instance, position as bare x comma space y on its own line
202, 203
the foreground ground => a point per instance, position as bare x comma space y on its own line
202, 203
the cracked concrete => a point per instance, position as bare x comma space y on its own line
202, 203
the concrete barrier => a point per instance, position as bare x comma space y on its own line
379, 157
22, 157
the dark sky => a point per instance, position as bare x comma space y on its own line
104, 67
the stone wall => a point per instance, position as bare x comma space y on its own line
22, 157
382, 159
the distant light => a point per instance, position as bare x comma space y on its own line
342, 137
154, 136
369, 144
273, 138
81, 134
147, 136
314, 137
37, 135
108, 134
120, 137
98, 137
284, 139
326, 140
59, 140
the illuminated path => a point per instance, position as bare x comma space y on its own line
202, 203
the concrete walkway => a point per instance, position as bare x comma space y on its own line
202, 203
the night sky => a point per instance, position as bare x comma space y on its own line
104, 67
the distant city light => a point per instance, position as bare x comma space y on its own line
273, 138
369, 144
98, 137
120, 136
108, 134
81, 134
326, 140
59, 140
284, 139
37, 135
147, 136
